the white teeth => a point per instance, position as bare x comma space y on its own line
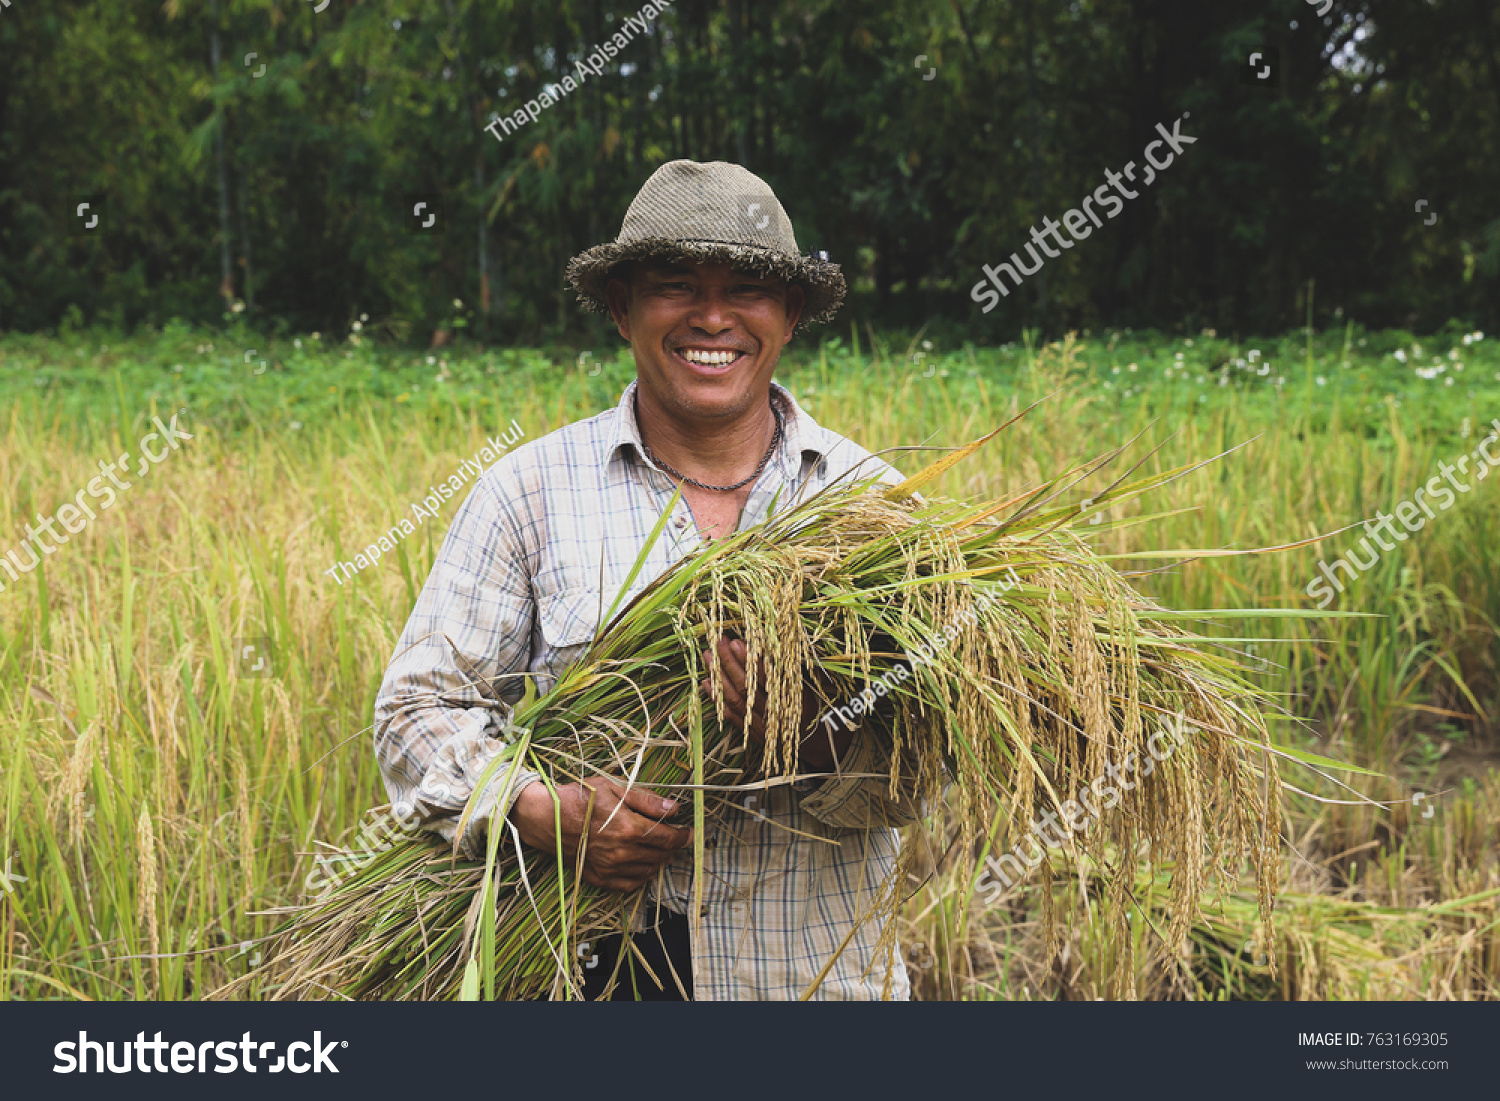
707, 358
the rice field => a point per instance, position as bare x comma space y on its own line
186, 683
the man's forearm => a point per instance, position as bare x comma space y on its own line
433, 758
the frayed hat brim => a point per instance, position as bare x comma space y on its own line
822, 281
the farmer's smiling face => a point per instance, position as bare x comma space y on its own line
706, 337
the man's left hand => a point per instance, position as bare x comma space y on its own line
818, 748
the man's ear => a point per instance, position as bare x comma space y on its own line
617, 298
795, 300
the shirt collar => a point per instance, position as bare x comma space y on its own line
804, 436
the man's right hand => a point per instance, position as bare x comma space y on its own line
620, 856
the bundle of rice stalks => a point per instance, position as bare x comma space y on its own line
1031, 666
1348, 949
1323, 948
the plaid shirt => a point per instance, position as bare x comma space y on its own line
517, 587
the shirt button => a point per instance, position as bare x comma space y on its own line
680, 522
703, 912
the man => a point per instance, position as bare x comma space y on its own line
706, 284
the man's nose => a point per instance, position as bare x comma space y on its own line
711, 312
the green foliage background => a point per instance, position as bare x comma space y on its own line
912, 184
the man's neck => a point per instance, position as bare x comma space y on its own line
719, 451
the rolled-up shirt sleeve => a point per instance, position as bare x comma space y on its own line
443, 710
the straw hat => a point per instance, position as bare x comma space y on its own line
712, 213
